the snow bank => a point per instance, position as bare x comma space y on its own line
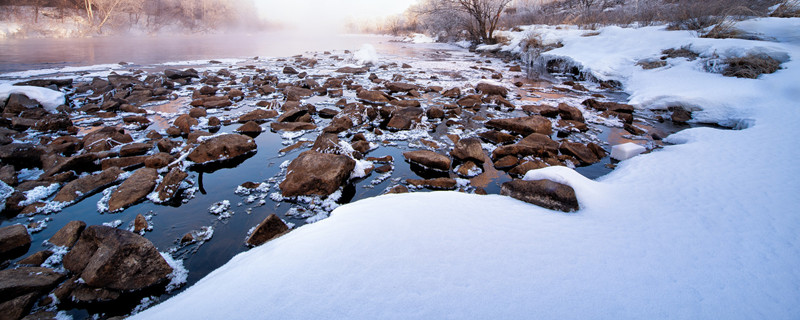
706, 229
49, 99
366, 55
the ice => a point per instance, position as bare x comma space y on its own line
366, 55
179, 273
5, 192
219, 207
39, 193
626, 151
360, 169
49, 99
113, 224
29, 174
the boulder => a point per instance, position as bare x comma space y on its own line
158, 160
185, 122
35, 259
353, 70
541, 109
568, 112
140, 224
18, 307
133, 189
403, 119
105, 139
373, 96
428, 159
400, 87
580, 151
22, 155
435, 113
314, 173
181, 74
111, 258
497, 137
134, 149
223, 147
543, 193
124, 162
525, 166
292, 126
170, 185
452, 93
506, 162
53, 122
271, 228
198, 112
680, 115
87, 185
250, 127
258, 115
14, 242
293, 115
296, 93
65, 145
68, 234
436, 183
491, 89
523, 125
25, 280
468, 149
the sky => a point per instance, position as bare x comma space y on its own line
323, 15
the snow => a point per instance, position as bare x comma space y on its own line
705, 228
179, 274
366, 55
419, 38
39, 193
49, 99
5, 192
626, 151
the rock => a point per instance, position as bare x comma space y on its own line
214, 122
133, 189
293, 115
506, 162
83, 294
328, 112
541, 109
452, 93
223, 147
468, 149
19, 306
523, 168
22, 155
469, 101
568, 112
8, 175
14, 242
428, 159
468, 169
105, 139
65, 145
87, 185
158, 160
680, 115
68, 234
289, 70
437, 183
197, 112
314, 173
36, 259
124, 163
296, 93
523, 125
403, 119
497, 137
185, 122
543, 193
579, 151
207, 91
111, 258
140, 224
537, 144
250, 127
361, 146
353, 70
373, 96
608, 106
180, 74
258, 115
400, 87
134, 149
271, 228
564, 127
292, 126
53, 122
435, 113
491, 89
26, 280
170, 185
44, 83
405, 103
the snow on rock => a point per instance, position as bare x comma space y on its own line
5, 192
366, 55
626, 151
49, 99
705, 228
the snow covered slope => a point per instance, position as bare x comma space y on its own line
705, 229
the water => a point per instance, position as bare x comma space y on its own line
438, 64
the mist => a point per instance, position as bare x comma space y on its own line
326, 16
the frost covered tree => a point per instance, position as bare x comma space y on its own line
478, 17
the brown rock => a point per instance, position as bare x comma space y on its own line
506, 162
452, 93
579, 151
292, 126
404, 118
167, 145
468, 169
68, 235
541, 109
491, 89
400, 87
197, 112
543, 193
36, 259
140, 223
65, 145
468, 149
116, 259
398, 189
125, 162
526, 166
523, 125
185, 122
19, 306
680, 115
158, 160
271, 228
437, 183
133, 189
353, 70
170, 185
250, 127
314, 173
223, 147
88, 185
568, 112
25, 280
134, 149
14, 242
435, 113
293, 115
428, 159
258, 115
373, 96
497, 137
469, 101
105, 139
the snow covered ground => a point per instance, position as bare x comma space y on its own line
706, 228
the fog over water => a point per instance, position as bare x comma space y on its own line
29, 54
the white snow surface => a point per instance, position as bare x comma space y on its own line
49, 99
705, 229
626, 151
366, 55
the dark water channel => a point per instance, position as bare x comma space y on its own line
172, 221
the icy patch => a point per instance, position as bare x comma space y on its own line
39, 193
102, 204
5, 192
37, 226
29, 174
221, 209
179, 273
360, 171
626, 151
54, 260
113, 224
366, 55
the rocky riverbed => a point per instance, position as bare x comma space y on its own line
144, 173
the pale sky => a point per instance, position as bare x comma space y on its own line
325, 14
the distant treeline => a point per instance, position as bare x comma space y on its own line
106, 16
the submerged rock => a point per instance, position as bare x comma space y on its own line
543, 193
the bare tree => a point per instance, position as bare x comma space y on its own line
479, 17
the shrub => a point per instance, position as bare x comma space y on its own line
750, 66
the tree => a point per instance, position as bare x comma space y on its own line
479, 17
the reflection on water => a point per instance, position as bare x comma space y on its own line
30, 54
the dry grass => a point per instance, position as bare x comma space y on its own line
787, 9
750, 66
682, 52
